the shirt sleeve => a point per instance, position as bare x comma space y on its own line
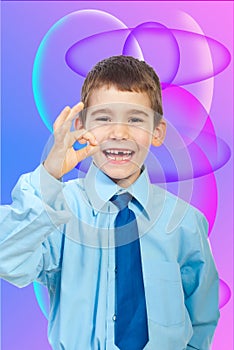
201, 284
31, 236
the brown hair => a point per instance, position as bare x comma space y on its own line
126, 73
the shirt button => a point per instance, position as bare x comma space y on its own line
114, 317
115, 269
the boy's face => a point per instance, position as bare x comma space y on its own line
123, 124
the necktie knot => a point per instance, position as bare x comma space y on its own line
121, 200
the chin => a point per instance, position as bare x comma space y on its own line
122, 175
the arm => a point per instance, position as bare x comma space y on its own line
30, 238
201, 283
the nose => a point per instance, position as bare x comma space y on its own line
119, 131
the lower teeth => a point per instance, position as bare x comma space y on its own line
118, 158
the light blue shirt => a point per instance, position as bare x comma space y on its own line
62, 234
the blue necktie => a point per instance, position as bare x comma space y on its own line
131, 329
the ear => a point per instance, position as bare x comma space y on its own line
159, 133
78, 124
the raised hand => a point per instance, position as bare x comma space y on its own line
62, 157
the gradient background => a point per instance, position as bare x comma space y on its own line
24, 134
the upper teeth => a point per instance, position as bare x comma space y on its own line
112, 151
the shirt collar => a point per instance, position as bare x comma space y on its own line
100, 188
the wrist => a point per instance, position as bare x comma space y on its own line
52, 169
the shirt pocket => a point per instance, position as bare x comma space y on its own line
164, 294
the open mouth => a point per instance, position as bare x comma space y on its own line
118, 154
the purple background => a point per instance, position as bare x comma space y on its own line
24, 134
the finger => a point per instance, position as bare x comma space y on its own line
64, 120
74, 111
61, 118
82, 141
86, 152
84, 136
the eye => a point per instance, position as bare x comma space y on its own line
135, 120
103, 119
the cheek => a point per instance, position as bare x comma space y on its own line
143, 138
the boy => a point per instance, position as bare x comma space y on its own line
69, 236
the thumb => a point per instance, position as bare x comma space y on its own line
86, 152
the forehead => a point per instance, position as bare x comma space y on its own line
110, 95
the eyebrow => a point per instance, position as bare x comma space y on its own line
102, 110
138, 111
109, 111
